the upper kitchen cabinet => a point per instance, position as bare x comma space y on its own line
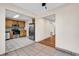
21, 24
15, 22
9, 23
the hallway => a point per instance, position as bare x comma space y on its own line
49, 41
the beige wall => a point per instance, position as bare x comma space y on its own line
67, 27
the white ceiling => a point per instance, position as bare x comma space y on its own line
51, 18
11, 14
37, 8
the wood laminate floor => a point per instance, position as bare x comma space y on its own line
49, 41
37, 49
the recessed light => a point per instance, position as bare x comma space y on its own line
16, 16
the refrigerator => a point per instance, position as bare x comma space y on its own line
32, 31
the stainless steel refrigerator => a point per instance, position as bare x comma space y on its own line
31, 31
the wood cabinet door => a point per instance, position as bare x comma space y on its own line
23, 33
15, 22
11, 35
9, 23
21, 24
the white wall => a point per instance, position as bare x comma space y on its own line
3, 8
43, 29
67, 27
2, 30
39, 29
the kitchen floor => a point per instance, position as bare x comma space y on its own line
14, 44
37, 49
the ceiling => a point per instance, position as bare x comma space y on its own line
51, 18
12, 14
37, 9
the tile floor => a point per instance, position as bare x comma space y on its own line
37, 49
14, 44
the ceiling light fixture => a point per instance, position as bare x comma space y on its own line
44, 5
16, 16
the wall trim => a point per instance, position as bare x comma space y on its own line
67, 51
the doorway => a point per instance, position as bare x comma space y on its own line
16, 30
50, 41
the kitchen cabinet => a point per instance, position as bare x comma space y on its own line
11, 35
15, 22
21, 24
9, 23
23, 33
7, 35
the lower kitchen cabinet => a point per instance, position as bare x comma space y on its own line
11, 35
23, 33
